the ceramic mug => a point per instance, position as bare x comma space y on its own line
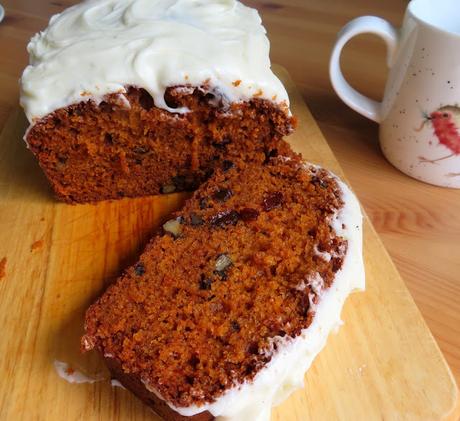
419, 116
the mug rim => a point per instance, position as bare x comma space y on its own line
431, 25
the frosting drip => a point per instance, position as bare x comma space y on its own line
101, 46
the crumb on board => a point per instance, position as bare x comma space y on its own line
36, 245
2, 268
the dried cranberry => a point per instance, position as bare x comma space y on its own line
225, 218
222, 195
272, 200
248, 214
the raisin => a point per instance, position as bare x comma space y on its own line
270, 154
304, 304
222, 144
205, 283
168, 188
319, 182
248, 214
336, 264
140, 150
194, 361
203, 203
139, 269
108, 139
272, 200
227, 165
222, 195
225, 218
222, 274
253, 348
235, 326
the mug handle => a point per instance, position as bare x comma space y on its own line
362, 25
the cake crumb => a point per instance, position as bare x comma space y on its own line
236, 83
2, 268
36, 245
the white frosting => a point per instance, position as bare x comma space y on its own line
253, 401
101, 46
66, 372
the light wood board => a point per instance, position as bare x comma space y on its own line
383, 363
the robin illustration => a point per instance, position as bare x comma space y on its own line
446, 125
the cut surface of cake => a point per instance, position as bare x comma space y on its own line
134, 97
236, 294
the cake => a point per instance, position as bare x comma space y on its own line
128, 98
235, 294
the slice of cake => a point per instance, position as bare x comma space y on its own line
134, 97
235, 294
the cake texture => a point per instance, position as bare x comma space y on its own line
134, 97
236, 293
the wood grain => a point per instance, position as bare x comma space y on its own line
383, 363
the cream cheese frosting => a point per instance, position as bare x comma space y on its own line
102, 46
252, 401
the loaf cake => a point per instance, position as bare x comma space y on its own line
129, 97
236, 293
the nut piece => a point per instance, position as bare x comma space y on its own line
223, 262
173, 227
168, 188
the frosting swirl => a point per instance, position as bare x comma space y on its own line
101, 46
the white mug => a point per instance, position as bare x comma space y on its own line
419, 116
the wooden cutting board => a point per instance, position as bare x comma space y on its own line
55, 259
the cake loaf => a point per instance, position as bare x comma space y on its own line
235, 295
132, 98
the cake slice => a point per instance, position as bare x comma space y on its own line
128, 98
236, 294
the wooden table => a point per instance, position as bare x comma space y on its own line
419, 224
